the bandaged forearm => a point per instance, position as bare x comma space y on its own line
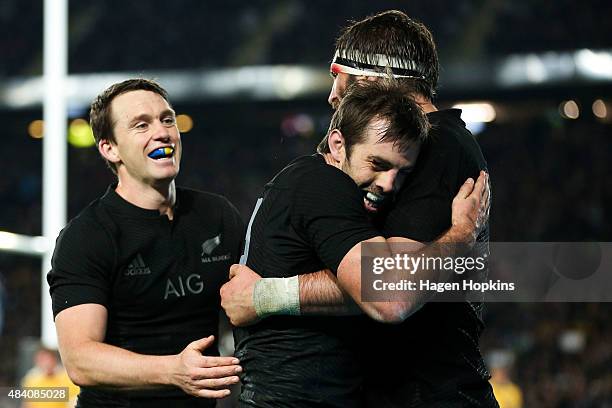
277, 296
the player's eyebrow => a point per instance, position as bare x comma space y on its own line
168, 112
379, 161
386, 164
147, 118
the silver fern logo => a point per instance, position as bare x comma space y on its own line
209, 245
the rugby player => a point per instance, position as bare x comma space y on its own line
314, 215
136, 275
431, 359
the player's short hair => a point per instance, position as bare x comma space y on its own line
393, 40
385, 99
100, 115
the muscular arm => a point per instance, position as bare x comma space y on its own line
470, 211
90, 362
349, 274
324, 294
321, 294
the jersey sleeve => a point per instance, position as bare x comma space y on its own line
419, 218
423, 208
81, 266
327, 209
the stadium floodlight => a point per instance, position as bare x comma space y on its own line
476, 111
23, 244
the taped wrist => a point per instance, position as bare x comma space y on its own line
277, 296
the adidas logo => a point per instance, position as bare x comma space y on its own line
137, 267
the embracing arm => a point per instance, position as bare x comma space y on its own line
247, 297
90, 362
469, 213
321, 294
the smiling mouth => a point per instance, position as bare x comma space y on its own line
161, 153
373, 201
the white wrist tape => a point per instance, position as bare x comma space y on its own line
277, 296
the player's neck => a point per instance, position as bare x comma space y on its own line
161, 196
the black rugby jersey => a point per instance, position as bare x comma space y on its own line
310, 216
433, 358
158, 279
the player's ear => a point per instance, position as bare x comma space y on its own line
337, 146
108, 150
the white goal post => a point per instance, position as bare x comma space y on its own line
55, 63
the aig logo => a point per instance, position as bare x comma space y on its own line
184, 286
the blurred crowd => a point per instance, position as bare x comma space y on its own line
108, 36
550, 179
559, 353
